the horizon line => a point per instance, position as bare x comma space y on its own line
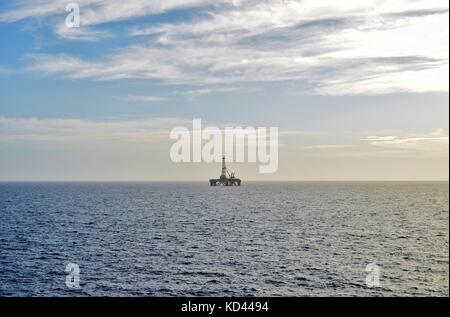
247, 181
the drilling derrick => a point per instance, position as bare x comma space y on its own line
224, 169
225, 179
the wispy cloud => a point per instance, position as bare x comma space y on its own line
96, 12
93, 13
76, 130
337, 48
437, 141
193, 93
328, 146
140, 98
82, 33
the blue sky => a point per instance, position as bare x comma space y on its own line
359, 90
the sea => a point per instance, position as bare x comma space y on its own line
189, 239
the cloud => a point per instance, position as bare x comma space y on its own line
138, 98
215, 90
328, 146
93, 13
295, 133
122, 65
64, 131
335, 47
96, 12
61, 65
82, 33
404, 146
436, 141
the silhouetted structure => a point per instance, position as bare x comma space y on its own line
224, 180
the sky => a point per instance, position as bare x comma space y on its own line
359, 90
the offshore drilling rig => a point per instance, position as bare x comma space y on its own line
231, 180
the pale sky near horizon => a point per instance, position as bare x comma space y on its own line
358, 89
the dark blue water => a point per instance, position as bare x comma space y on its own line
277, 239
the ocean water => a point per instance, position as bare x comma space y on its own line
189, 239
